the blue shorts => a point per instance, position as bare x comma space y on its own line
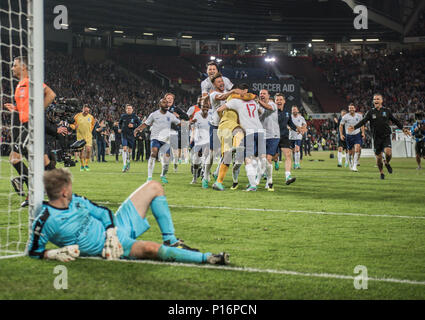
130, 225
352, 140
272, 146
161, 146
255, 144
214, 140
295, 143
127, 141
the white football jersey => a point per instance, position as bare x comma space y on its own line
215, 104
348, 120
299, 121
207, 86
202, 129
248, 114
161, 125
270, 121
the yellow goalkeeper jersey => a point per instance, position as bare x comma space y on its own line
84, 125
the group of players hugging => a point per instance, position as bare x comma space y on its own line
241, 127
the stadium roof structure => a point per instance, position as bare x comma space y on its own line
242, 20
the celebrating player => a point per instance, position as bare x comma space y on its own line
296, 136
176, 134
270, 122
160, 122
208, 84
129, 121
379, 118
249, 117
354, 138
217, 98
342, 145
82, 228
201, 139
231, 135
285, 120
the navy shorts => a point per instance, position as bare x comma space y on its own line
127, 141
296, 143
272, 146
352, 140
162, 146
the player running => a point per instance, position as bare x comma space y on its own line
254, 144
201, 139
160, 122
296, 136
285, 120
342, 145
270, 122
80, 227
129, 121
379, 118
354, 138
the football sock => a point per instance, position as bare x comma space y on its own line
151, 166
165, 165
356, 159
269, 171
22, 170
195, 171
124, 157
222, 172
339, 157
166, 253
251, 172
208, 165
287, 174
235, 172
162, 214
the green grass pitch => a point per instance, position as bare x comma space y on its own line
300, 242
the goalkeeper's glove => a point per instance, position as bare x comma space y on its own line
112, 250
65, 254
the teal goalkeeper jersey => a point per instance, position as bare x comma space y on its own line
83, 223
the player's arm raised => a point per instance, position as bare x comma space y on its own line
224, 96
399, 124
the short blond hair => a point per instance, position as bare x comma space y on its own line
55, 180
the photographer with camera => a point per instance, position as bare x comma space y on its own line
418, 132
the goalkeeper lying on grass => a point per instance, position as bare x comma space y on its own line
81, 227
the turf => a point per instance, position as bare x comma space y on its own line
328, 222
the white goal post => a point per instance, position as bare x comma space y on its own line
22, 34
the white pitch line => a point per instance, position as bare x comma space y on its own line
290, 211
271, 271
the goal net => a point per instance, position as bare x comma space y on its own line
21, 140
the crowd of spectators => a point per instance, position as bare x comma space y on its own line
399, 76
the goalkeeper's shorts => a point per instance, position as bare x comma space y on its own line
87, 137
130, 225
